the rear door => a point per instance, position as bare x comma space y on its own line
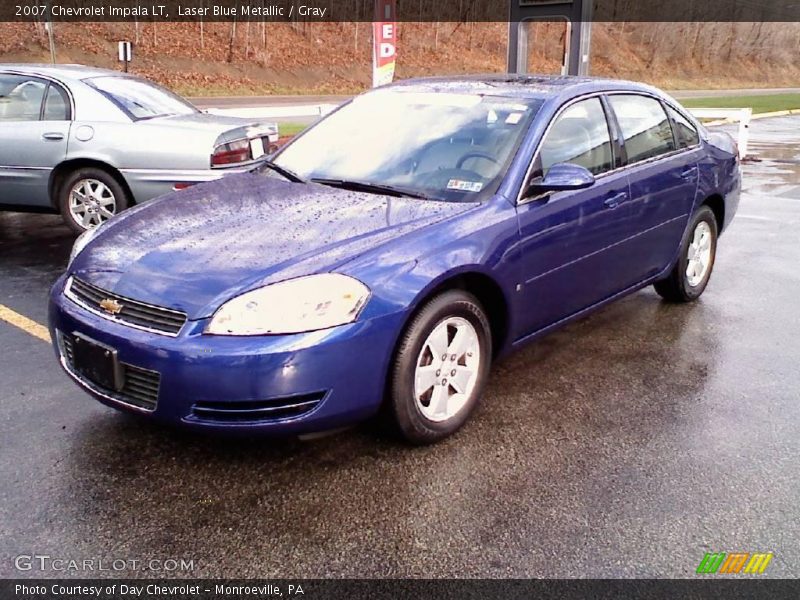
661, 152
34, 129
571, 241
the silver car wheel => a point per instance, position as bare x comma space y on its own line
91, 202
699, 255
447, 369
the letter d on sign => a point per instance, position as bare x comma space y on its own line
387, 50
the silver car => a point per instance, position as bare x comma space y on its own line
91, 142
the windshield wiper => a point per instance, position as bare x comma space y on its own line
375, 188
290, 175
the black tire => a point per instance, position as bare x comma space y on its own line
677, 287
406, 415
121, 200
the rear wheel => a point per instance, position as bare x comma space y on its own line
689, 278
440, 368
90, 196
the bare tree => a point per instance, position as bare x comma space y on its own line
202, 28
263, 28
232, 40
247, 40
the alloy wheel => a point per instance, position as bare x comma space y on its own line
91, 202
447, 369
699, 254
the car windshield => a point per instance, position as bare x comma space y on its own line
140, 99
445, 146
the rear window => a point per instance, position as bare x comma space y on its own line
685, 132
140, 99
21, 98
56, 105
645, 126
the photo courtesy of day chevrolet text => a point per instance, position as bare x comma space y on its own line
153, 590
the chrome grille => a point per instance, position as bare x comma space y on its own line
132, 312
140, 387
252, 411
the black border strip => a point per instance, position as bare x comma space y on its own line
709, 587
294, 11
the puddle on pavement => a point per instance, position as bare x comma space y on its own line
775, 143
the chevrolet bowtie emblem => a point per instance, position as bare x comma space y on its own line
111, 306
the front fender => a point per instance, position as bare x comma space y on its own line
405, 274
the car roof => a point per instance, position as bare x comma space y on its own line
520, 86
61, 72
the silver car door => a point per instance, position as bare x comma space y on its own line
34, 131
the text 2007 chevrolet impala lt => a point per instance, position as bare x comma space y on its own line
383, 259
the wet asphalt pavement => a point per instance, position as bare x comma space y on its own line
628, 444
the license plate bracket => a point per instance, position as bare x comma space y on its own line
97, 362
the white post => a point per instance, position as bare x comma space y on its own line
744, 131
723, 116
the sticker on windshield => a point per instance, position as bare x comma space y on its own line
513, 118
464, 186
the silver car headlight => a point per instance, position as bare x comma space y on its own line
80, 243
292, 306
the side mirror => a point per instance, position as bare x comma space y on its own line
563, 177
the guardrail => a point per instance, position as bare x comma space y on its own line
723, 116
275, 112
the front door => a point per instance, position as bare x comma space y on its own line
34, 129
571, 241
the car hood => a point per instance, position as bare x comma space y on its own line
194, 249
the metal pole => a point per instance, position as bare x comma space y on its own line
585, 47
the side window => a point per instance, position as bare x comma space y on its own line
684, 130
579, 136
20, 98
644, 124
56, 105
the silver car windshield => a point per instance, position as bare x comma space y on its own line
445, 146
140, 99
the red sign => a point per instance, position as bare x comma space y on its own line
384, 34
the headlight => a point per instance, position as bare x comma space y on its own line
293, 306
80, 243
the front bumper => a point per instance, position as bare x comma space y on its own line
327, 378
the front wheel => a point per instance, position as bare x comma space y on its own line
90, 196
441, 367
689, 278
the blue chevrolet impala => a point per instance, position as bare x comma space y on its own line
385, 257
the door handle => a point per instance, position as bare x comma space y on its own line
689, 172
613, 201
53, 136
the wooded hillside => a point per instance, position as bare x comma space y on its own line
256, 57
